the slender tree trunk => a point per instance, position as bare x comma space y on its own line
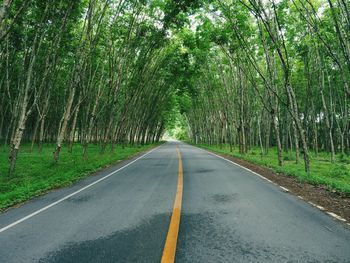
72, 133
41, 134
278, 140
34, 134
64, 122
296, 143
4, 7
260, 140
18, 134
24, 113
88, 135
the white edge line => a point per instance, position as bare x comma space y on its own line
336, 216
74, 193
320, 207
315, 205
285, 189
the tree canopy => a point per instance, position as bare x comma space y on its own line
243, 72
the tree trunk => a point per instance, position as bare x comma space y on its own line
41, 135
63, 126
72, 134
278, 140
34, 134
24, 113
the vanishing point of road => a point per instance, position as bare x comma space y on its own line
176, 201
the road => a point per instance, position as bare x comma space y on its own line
228, 214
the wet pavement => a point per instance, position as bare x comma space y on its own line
228, 215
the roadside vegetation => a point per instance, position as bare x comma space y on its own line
334, 176
36, 173
78, 79
245, 73
88, 71
270, 75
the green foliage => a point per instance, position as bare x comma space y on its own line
209, 71
176, 12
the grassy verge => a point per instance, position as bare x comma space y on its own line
335, 176
36, 173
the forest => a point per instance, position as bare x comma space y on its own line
269, 76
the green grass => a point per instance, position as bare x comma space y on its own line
37, 173
335, 176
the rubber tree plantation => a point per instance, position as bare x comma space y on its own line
82, 80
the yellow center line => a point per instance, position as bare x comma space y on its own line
171, 239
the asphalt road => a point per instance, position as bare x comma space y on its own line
228, 215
